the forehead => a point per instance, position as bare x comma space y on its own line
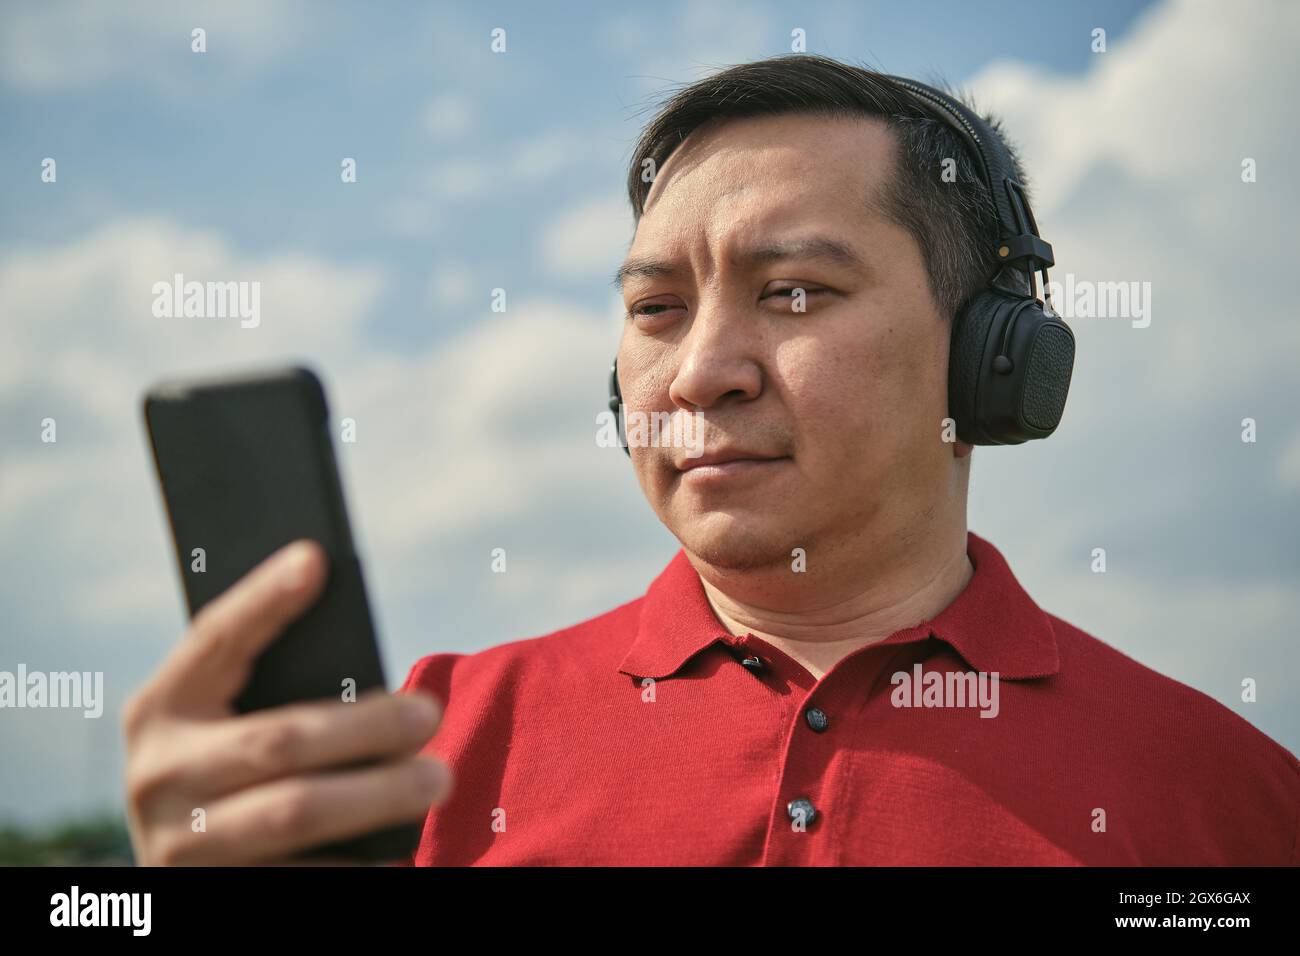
769, 170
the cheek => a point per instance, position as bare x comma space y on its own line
886, 395
833, 403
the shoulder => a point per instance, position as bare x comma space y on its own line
1112, 678
593, 646
1182, 742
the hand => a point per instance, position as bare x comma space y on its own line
264, 779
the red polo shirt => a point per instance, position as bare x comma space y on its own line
650, 735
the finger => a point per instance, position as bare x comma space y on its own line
211, 759
283, 818
208, 669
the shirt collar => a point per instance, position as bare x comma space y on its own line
993, 623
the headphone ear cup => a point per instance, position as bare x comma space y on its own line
616, 406
1045, 348
1009, 370
971, 329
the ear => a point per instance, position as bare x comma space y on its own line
961, 449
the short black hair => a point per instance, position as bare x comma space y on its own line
954, 223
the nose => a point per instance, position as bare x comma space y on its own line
716, 362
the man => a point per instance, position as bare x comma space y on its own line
832, 670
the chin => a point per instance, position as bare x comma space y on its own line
734, 542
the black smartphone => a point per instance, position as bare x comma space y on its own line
246, 463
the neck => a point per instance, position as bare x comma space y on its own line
852, 597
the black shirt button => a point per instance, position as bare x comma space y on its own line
754, 663
802, 808
816, 718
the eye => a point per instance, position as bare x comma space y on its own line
648, 313
787, 294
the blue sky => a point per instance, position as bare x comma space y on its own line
244, 138
479, 170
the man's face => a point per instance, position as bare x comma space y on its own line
843, 401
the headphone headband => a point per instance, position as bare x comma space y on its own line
1018, 240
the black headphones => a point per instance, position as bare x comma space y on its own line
1010, 359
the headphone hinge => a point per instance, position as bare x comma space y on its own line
1018, 249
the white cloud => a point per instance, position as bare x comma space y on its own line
451, 285
448, 116
1288, 464
544, 155
1177, 78
434, 428
589, 239
1136, 167
83, 346
457, 179
1209, 637
693, 41
440, 428
519, 167
1136, 164
60, 45
81, 323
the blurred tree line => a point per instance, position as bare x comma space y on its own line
96, 841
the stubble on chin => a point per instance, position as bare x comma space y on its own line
737, 549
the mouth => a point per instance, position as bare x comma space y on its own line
718, 466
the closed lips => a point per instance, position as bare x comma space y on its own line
722, 458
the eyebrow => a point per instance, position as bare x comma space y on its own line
821, 248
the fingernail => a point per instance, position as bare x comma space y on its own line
421, 712
434, 774
297, 559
